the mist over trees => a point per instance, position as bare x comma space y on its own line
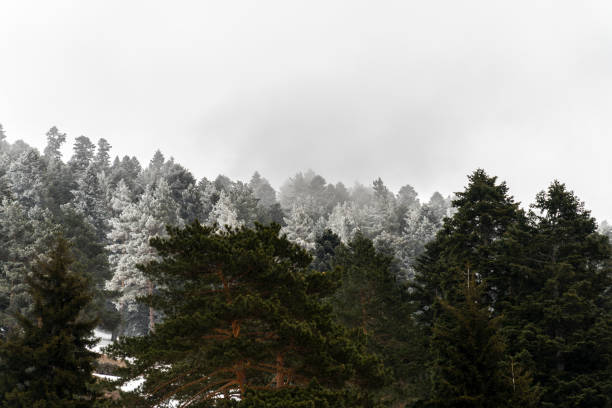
229, 293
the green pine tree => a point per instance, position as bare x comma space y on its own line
49, 364
470, 367
470, 239
243, 318
373, 301
561, 316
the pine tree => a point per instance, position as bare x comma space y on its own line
24, 233
372, 300
25, 177
243, 317
470, 239
470, 367
300, 228
49, 365
102, 159
83, 155
55, 140
262, 190
130, 234
561, 311
224, 213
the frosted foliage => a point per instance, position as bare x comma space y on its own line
343, 221
262, 190
25, 178
121, 198
421, 227
130, 234
25, 234
89, 200
224, 213
307, 190
300, 227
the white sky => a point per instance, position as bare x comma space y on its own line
417, 92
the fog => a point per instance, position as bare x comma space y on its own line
414, 92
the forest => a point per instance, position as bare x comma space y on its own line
228, 293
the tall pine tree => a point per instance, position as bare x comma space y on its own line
49, 364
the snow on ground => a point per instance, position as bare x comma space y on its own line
104, 340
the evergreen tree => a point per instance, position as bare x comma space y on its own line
49, 365
561, 310
24, 233
471, 239
83, 155
55, 140
300, 228
26, 179
343, 221
470, 367
244, 318
224, 213
372, 300
130, 234
262, 190
102, 159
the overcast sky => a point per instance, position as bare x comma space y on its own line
416, 92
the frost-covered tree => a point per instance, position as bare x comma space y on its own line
90, 201
129, 236
300, 228
24, 233
262, 190
83, 154
55, 140
25, 178
120, 198
224, 213
126, 169
102, 159
343, 221
308, 190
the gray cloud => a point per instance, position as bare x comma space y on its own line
414, 92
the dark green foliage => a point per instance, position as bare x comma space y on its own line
91, 260
325, 251
372, 300
469, 366
561, 317
242, 311
471, 239
48, 365
83, 154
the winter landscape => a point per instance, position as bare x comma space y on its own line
303, 205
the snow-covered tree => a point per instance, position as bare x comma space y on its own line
102, 159
90, 201
262, 190
83, 155
300, 228
224, 213
55, 140
25, 177
343, 221
24, 233
130, 234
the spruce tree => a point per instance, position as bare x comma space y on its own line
561, 313
49, 365
372, 300
244, 318
470, 239
470, 367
